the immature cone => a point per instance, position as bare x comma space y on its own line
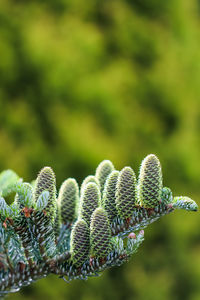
108, 200
46, 181
102, 172
68, 198
100, 233
80, 242
89, 201
150, 182
90, 178
126, 198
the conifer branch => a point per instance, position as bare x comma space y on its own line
82, 232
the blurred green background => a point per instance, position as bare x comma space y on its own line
83, 81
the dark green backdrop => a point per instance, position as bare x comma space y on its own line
83, 81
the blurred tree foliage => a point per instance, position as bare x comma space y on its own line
83, 81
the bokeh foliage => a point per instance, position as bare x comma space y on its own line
83, 81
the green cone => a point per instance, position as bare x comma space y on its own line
108, 200
90, 178
100, 233
80, 242
46, 181
126, 196
102, 172
68, 198
150, 182
89, 201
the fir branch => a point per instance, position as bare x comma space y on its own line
41, 234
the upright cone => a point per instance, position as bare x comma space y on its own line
90, 178
46, 181
100, 233
80, 242
108, 200
68, 199
150, 182
89, 201
126, 197
102, 172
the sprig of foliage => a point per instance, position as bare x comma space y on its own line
79, 233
